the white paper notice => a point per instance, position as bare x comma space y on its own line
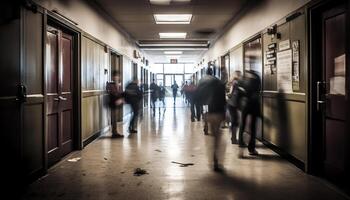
284, 71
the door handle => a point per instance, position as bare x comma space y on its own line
21, 93
62, 98
56, 99
318, 94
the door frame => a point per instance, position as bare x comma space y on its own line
51, 19
315, 136
251, 39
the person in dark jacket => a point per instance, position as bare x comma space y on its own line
154, 95
115, 100
174, 87
211, 92
249, 100
133, 96
232, 104
162, 94
196, 110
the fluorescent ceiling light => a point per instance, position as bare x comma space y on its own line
173, 57
167, 2
173, 52
172, 18
160, 2
173, 35
172, 45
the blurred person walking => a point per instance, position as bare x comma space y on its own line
232, 105
196, 110
174, 87
133, 96
211, 92
154, 95
115, 100
162, 94
249, 100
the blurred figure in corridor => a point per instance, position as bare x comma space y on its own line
162, 94
196, 110
115, 100
211, 92
133, 96
232, 104
154, 95
249, 99
174, 87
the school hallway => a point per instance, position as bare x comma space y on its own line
106, 168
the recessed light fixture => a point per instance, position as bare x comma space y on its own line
172, 57
173, 52
177, 35
172, 18
167, 2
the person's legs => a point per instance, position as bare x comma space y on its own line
133, 121
198, 112
219, 147
251, 146
114, 121
192, 111
174, 96
242, 127
234, 123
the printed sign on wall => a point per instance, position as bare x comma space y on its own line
284, 71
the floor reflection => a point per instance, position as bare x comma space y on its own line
106, 168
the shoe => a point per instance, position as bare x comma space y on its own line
241, 145
253, 152
117, 135
234, 141
192, 119
218, 168
132, 131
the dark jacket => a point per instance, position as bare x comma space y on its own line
132, 94
114, 92
211, 92
249, 94
154, 91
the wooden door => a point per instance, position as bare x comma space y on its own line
333, 92
59, 106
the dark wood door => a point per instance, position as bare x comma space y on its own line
332, 101
59, 48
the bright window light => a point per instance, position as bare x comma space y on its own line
172, 52
173, 35
172, 18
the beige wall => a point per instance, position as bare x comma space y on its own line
95, 113
93, 23
263, 14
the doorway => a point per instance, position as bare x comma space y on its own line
329, 96
252, 60
116, 65
60, 90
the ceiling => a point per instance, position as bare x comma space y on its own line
208, 20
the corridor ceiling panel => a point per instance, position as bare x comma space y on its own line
209, 17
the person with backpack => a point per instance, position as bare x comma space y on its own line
133, 96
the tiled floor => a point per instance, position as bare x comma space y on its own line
106, 168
